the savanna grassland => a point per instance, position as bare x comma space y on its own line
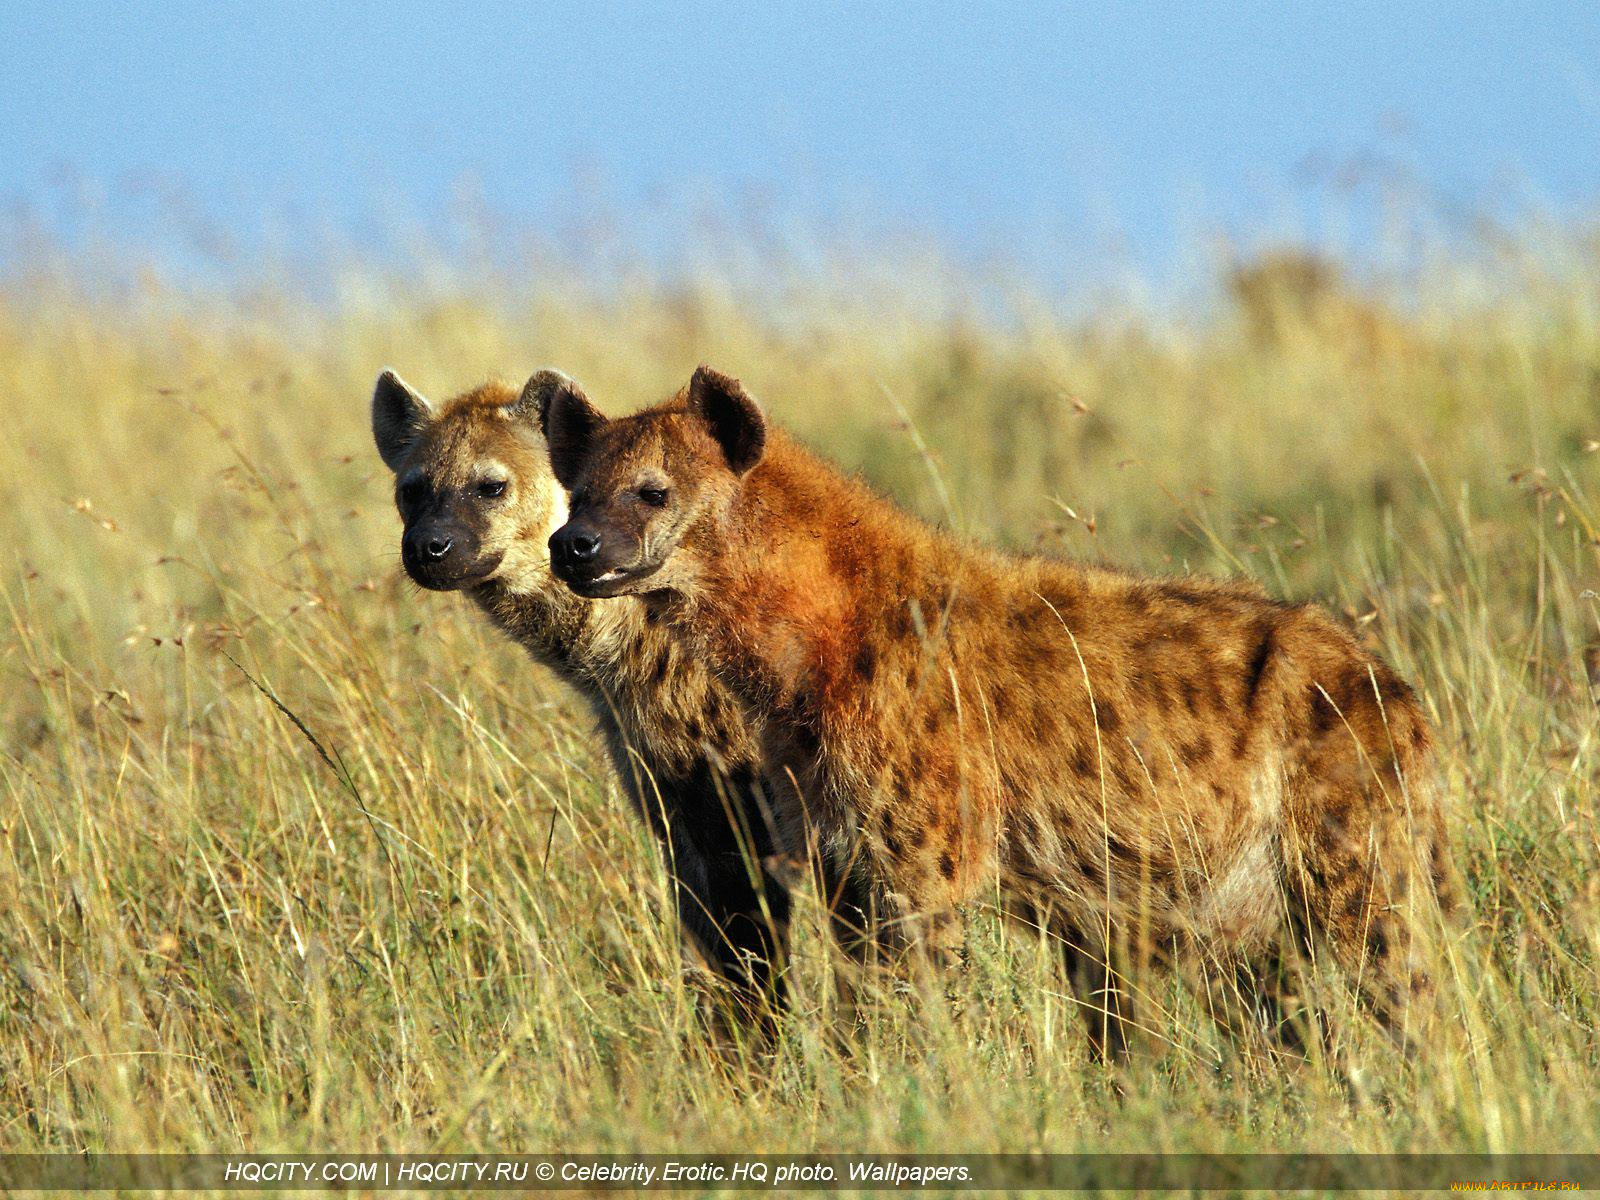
417, 914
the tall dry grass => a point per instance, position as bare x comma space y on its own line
419, 915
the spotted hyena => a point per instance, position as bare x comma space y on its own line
473, 485
1135, 765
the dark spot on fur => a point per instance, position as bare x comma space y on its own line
1082, 763
1191, 695
866, 663
1106, 717
1241, 741
1378, 940
805, 739
1066, 608
1438, 868
1324, 716
899, 624
1355, 907
947, 865
1257, 666
1155, 687
896, 777
1196, 752
1391, 689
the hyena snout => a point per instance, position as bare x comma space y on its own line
589, 562
443, 555
573, 547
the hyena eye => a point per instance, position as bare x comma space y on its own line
653, 496
490, 488
411, 491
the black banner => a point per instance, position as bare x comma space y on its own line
800, 1172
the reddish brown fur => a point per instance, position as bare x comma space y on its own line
1136, 763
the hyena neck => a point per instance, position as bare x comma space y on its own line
791, 581
581, 640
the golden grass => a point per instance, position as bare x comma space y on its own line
455, 936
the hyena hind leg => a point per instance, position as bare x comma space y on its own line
1368, 867
1378, 901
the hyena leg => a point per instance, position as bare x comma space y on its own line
1375, 930
1103, 994
1263, 998
1367, 863
741, 929
730, 904
1370, 890
880, 926
927, 941
915, 919
855, 919
852, 915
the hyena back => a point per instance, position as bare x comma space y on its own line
1135, 764
473, 485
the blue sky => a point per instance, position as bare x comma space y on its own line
990, 126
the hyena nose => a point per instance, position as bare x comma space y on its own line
437, 547
580, 546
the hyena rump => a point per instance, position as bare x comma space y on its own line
474, 487
1138, 764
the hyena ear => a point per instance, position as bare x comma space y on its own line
539, 392
731, 414
399, 414
570, 423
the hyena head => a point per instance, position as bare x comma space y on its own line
472, 481
648, 492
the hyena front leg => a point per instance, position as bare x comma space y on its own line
1103, 994
732, 906
867, 929
1376, 922
930, 941
921, 924
743, 928
740, 926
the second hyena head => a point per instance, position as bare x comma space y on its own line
472, 482
648, 493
